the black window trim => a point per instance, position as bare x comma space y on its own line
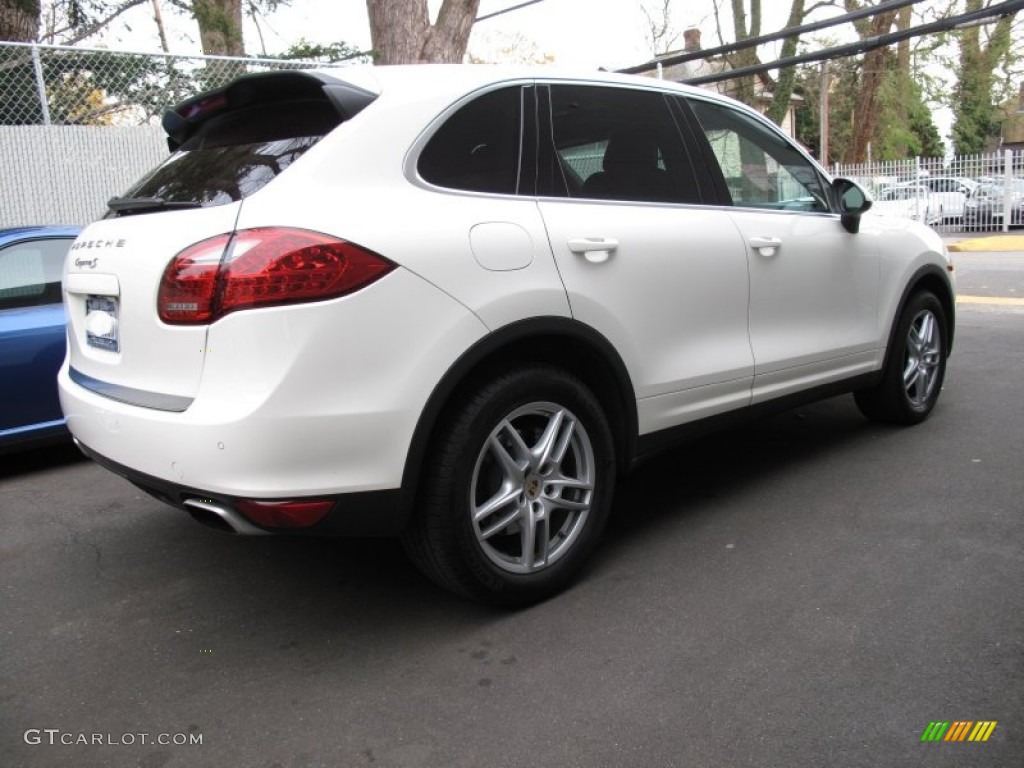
713, 185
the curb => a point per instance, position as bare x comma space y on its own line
990, 244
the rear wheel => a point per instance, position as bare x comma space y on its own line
517, 489
916, 366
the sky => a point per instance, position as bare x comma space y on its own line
577, 33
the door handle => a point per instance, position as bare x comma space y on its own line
766, 246
596, 250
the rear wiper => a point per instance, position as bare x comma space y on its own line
139, 204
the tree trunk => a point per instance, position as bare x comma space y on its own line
782, 91
220, 26
19, 20
872, 75
974, 113
401, 31
158, 17
742, 88
901, 85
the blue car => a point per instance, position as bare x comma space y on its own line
32, 335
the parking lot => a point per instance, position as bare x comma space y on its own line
810, 590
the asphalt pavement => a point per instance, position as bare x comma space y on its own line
809, 590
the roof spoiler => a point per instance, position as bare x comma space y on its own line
182, 122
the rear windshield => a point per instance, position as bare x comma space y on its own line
235, 154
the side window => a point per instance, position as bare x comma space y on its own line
619, 144
477, 148
30, 273
761, 168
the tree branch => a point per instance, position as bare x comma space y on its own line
816, 6
96, 26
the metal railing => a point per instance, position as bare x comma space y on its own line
976, 193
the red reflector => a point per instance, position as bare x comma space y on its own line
284, 514
261, 268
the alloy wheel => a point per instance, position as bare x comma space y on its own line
924, 354
532, 487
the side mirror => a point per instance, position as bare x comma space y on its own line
853, 201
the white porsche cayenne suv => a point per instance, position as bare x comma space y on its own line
452, 304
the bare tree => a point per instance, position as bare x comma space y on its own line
401, 32
660, 33
506, 48
58, 21
72, 21
747, 25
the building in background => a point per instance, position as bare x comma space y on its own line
1011, 134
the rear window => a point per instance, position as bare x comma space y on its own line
237, 153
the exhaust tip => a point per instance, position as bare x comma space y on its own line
210, 519
221, 518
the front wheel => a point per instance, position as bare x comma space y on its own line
916, 366
517, 489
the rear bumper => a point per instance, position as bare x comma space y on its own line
303, 401
364, 513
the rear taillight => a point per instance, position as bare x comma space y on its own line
189, 285
261, 268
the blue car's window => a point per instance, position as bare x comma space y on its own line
30, 273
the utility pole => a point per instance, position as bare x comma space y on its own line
823, 122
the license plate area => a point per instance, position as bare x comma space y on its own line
101, 323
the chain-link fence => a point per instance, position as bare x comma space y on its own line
977, 193
57, 85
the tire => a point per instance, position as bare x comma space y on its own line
517, 488
915, 367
